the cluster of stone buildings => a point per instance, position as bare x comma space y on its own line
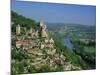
33, 37
39, 46
41, 30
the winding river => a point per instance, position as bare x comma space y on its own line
68, 43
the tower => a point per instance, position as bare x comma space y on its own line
42, 29
41, 23
18, 30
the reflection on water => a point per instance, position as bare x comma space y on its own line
67, 43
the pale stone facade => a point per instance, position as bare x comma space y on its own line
43, 29
18, 30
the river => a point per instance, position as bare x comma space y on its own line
66, 41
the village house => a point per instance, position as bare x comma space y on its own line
25, 44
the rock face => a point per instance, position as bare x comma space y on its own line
39, 47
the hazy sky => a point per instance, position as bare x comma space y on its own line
64, 13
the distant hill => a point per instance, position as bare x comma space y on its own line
64, 28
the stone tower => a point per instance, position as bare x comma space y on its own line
18, 30
42, 29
